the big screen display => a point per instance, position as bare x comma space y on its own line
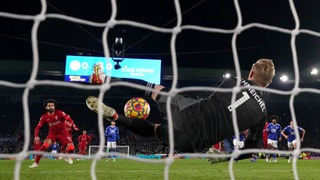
79, 68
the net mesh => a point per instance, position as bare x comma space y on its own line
178, 28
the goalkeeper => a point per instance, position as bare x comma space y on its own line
200, 123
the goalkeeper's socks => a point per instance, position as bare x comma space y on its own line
137, 92
138, 126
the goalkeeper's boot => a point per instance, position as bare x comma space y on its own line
97, 76
34, 165
214, 160
108, 112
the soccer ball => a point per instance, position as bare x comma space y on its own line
137, 107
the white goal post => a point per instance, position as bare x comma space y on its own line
93, 149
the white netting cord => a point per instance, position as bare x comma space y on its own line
174, 31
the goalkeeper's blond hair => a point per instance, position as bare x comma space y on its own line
262, 72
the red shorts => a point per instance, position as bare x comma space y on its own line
62, 138
83, 146
37, 147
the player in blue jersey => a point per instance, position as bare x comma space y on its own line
290, 135
240, 143
54, 149
112, 134
274, 130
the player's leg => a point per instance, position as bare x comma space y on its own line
69, 149
138, 126
84, 150
108, 112
114, 149
80, 152
67, 141
46, 144
107, 151
62, 150
290, 148
268, 159
146, 128
54, 153
274, 146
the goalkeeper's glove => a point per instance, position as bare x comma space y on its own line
214, 160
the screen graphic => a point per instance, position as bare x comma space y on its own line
79, 68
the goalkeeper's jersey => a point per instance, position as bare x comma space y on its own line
209, 121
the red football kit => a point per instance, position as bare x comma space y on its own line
57, 128
83, 140
265, 136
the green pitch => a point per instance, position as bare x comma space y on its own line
180, 169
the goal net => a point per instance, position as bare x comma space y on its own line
93, 149
243, 23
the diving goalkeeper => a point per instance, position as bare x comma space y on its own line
200, 123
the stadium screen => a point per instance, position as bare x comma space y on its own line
79, 68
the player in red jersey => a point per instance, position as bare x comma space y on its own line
70, 126
265, 136
83, 140
55, 119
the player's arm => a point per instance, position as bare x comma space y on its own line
79, 138
280, 134
283, 134
303, 133
246, 133
70, 120
37, 129
106, 133
88, 138
267, 128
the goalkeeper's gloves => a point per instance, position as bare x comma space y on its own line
214, 160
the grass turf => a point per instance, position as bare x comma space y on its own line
180, 169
